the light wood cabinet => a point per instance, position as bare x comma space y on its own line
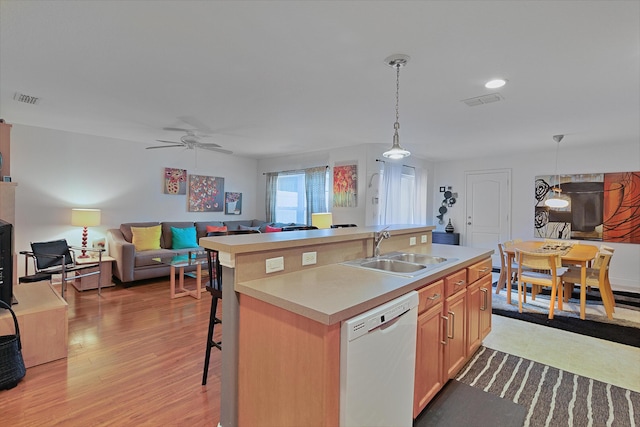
450, 328
428, 375
478, 305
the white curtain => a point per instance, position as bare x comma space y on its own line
403, 195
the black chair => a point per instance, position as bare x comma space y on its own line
343, 225
57, 257
214, 287
299, 227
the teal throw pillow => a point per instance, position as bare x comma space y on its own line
184, 238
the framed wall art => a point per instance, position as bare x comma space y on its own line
206, 193
345, 185
175, 181
232, 203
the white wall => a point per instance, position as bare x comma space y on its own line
57, 171
364, 155
610, 157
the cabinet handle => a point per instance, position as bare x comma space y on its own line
434, 297
446, 329
453, 325
484, 270
459, 283
483, 307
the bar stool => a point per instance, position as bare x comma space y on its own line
214, 287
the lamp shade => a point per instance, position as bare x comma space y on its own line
322, 220
85, 217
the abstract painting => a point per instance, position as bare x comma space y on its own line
232, 203
206, 193
345, 186
602, 207
175, 181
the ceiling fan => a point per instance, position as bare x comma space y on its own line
191, 140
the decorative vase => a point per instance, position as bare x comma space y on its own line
449, 227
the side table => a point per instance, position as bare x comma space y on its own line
91, 282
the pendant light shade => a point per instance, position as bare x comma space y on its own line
396, 151
557, 201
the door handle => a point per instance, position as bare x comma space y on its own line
484, 291
453, 326
446, 329
469, 223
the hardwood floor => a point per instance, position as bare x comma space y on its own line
135, 359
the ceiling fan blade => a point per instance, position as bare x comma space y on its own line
211, 148
207, 144
165, 146
197, 124
169, 142
178, 129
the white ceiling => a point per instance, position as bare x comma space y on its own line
276, 77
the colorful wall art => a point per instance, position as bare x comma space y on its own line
602, 207
345, 186
175, 181
206, 193
232, 203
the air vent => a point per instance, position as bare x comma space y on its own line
484, 99
27, 99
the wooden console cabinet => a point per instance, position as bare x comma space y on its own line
42, 318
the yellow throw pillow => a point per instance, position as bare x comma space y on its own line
146, 238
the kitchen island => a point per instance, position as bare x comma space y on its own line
282, 329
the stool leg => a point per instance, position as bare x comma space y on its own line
210, 342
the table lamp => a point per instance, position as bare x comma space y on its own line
85, 218
322, 220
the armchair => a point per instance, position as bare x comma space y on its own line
57, 257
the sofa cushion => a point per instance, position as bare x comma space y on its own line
216, 229
183, 238
125, 228
248, 228
166, 241
201, 227
270, 229
235, 225
146, 238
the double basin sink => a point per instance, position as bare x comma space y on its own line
403, 263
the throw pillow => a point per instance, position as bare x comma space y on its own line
146, 238
270, 229
184, 238
215, 229
244, 227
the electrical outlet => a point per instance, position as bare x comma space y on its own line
275, 264
412, 241
308, 258
423, 238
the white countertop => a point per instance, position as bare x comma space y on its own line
334, 293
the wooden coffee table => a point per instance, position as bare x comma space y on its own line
180, 262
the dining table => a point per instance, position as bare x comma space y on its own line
571, 254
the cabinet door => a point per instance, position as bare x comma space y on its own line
429, 379
474, 299
485, 306
455, 325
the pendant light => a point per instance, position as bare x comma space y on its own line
556, 201
396, 151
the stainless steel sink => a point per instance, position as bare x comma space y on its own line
393, 265
417, 258
402, 263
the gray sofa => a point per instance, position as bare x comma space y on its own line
132, 265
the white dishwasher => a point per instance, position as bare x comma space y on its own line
377, 365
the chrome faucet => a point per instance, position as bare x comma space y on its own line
379, 237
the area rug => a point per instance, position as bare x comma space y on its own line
623, 329
551, 397
459, 404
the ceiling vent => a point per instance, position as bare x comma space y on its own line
27, 99
484, 99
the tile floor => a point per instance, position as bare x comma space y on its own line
590, 357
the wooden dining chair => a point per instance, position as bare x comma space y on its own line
532, 267
597, 277
503, 281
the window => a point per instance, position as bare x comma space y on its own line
293, 196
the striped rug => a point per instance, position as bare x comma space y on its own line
552, 397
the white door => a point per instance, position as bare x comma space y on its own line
488, 209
